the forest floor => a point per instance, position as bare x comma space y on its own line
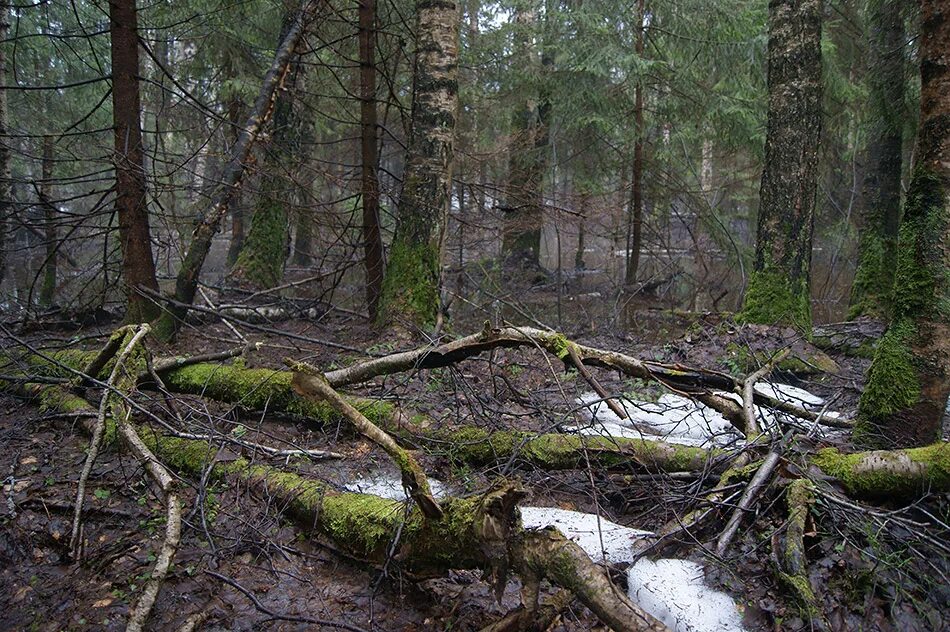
864, 578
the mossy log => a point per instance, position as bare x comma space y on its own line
477, 532
898, 474
889, 474
266, 389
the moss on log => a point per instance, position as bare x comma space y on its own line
889, 474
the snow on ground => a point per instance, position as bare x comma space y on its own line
390, 486
678, 419
670, 590
790, 394
675, 418
601, 539
673, 591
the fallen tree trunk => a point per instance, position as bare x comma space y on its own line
481, 532
266, 389
898, 474
700, 383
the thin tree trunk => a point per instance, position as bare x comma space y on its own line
881, 196
778, 289
138, 265
186, 283
235, 109
635, 225
521, 230
905, 400
6, 184
44, 191
369, 157
412, 281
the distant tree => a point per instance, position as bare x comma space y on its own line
138, 265
411, 284
369, 157
524, 203
44, 191
6, 163
905, 400
778, 290
881, 199
186, 282
635, 219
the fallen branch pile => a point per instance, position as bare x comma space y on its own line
481, 531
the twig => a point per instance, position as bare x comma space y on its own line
751, 492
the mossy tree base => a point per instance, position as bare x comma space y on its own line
771, 298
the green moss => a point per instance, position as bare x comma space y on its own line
772, 299
565, 451
873, 279
261, 260
892, 383
892, 474
411, 285
560, 346
260, 389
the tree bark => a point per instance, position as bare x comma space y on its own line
6, 184
635, 222
138, 264
369, 158
186, 282
778, 290
411, 285
881, 196
44, 192
905, 399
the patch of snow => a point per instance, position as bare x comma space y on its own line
672, 417
674, 592
790, 394
677, 419
388, 486
583, 528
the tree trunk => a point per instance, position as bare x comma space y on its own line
874, 277
44, 192
6, 184
186, 283
411, 285
523, 219
261, 262
235, 110
138, 265
369, 158
778, 290
905, 400
635, 225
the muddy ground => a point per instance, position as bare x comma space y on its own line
237, 548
